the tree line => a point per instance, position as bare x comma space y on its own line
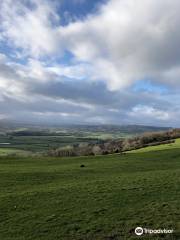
118, 145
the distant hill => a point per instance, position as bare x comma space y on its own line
113, 129
122, 128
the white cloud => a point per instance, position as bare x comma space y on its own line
76, 71
124, 41
34, 69
143, 112
56, 114
127, 40
29, 28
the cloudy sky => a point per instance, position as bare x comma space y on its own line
91, 62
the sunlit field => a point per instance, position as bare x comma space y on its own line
170, 146
57, 198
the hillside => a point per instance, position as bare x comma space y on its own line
170, 146
56, 198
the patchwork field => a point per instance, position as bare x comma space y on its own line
53, 198
41, 143
37, 139
12, 151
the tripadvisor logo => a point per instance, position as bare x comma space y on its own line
139, 231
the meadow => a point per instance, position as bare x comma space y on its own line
43, 198
170, 146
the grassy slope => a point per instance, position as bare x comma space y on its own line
55, 199
159, 147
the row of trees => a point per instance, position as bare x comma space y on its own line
118, 146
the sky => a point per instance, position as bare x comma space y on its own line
90, 62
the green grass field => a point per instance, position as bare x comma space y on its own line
56, 199
159, 147
12, 151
